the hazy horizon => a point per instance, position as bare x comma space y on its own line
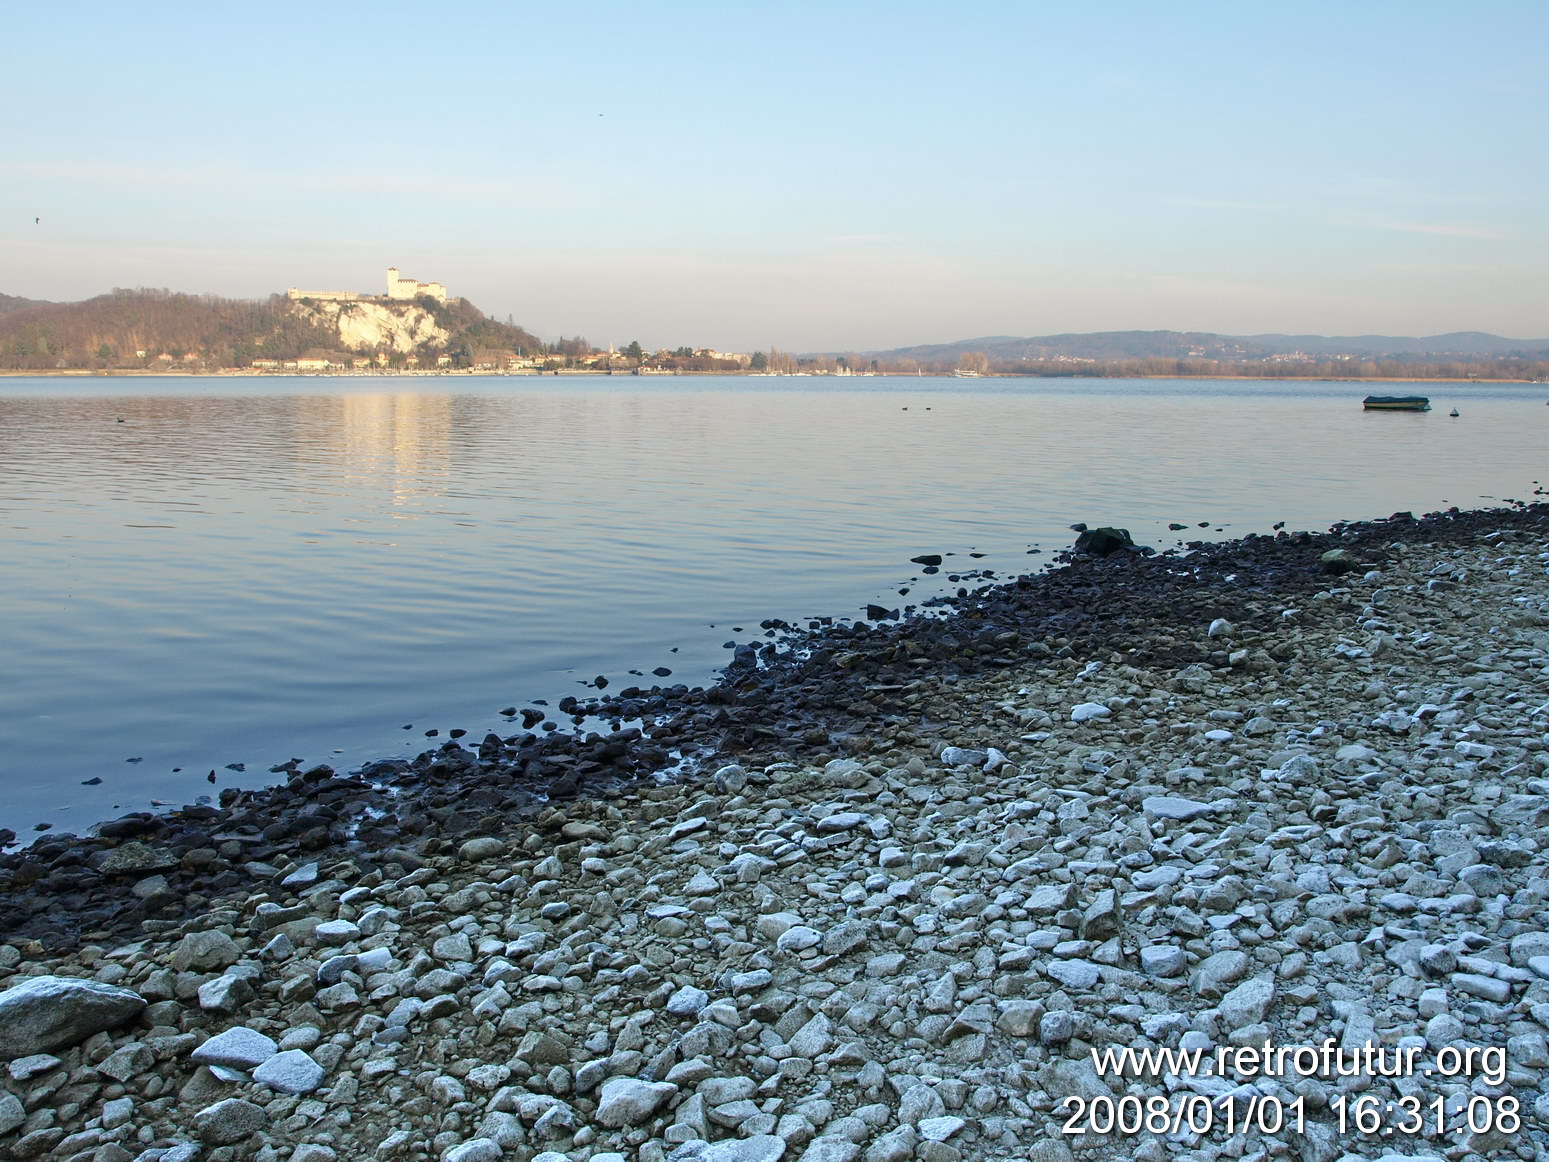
817, 178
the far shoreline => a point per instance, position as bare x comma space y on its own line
567, 373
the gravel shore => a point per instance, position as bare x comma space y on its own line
904, 879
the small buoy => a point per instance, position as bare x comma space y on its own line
1453, 413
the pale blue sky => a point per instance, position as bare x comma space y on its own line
809, 175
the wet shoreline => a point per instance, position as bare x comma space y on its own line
888, 892
868, 689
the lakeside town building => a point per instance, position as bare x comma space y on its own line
399, 289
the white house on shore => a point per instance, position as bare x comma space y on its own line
398, 290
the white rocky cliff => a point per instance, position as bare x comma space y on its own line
371, 326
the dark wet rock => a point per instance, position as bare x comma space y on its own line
230, 1121
808, 695
135, 859
1337, 562
926, 559
131, 826
43, 1013
1103, 542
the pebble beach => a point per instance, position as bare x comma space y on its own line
892, 890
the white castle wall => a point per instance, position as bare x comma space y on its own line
324, 296
398, 290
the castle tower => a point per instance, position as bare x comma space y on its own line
392, 282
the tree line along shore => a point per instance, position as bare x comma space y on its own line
162, 332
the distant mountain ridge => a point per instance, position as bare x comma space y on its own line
1115, 345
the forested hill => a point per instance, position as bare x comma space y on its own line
13, 303
133, 329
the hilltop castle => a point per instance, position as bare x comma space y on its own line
398, 290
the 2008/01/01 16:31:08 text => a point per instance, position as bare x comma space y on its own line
1367, 1115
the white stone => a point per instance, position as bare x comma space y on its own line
719, 1090
758, 1148
958, 756
42, 1013
337, 932
775, 924
1219, 969
1487, 987
1088, 711
237, 1048
291, 1071
30, 1066
225, 994
1176, 807
830, 1148
628, 1101
1354, 752
798, 939
1046, 899
842, 821
453, 948
1445, 1029
1156, 877
475, 1150
940, 1129
1248, 1002
896, 1145
1076, 974
749, 982
302, 877
687, 1001
813, 1039
1164, 960
373, 960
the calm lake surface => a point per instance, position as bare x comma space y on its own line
249, 570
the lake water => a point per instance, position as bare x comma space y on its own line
248, 570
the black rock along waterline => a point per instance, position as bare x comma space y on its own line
805, 696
